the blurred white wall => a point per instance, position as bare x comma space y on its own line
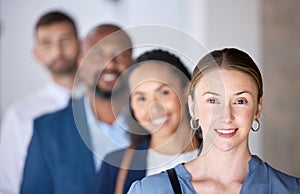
215, 23
21, 74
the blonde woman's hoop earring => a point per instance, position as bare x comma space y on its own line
194, 123
258, 126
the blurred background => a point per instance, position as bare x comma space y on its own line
266, 29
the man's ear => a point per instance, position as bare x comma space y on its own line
259, 108
80, 55
82, 51
35, 54
79, 60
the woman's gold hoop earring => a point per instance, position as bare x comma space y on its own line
194, 123
258, 126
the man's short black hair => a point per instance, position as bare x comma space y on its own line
55, 16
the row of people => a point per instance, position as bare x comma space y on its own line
132, 121
88, 127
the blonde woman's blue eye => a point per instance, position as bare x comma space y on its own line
212, 101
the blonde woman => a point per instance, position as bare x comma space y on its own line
225, 99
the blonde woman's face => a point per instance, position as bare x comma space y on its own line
226, 104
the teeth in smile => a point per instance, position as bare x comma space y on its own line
158, 121
109, 77
225, 131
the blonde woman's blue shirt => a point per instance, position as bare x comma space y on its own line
261, 179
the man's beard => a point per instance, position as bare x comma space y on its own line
69, 67
102, 94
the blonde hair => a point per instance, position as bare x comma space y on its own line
228, 58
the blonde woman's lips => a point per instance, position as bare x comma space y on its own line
227, 133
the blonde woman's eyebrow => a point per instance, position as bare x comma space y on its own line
236, 94
242, 92
211, 93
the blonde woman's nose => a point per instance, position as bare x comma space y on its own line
227, 115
